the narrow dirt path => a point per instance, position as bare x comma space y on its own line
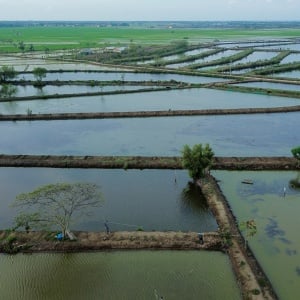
246, 268
39, 241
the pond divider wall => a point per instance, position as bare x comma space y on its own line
39, 241
146, 162
146, 114
251, 277
58, 96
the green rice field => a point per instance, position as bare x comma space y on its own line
54, 38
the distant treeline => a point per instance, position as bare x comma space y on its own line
160, 24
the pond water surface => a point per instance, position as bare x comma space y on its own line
236, 135
272, 85
295, 57
115, 275
274, 203
292, 74
148, 199
29, 90
209, 58
255, 56
21, 64
192, 99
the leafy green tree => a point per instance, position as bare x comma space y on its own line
7, 72
39, 73
296, 152
295, 183
21, 46
181, 44
56, 205
31, 48
197, 160
7, 90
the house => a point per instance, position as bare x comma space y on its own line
86, 52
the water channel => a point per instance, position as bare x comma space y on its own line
273, 201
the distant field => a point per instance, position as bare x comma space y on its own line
83, 37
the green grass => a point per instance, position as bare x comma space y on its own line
82, 37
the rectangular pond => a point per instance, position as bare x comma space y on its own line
292, 74
255, 56
233, 135
148, 199
122, 275
30, 90
272, 85
273, 201
173, 57
207, 59
292, 58
21, 64
188, 99
294, 47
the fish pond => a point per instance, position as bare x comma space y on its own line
235, 135
273, 201
273, 85
189, 99
149, 199
30, 90
292, 74
118, 275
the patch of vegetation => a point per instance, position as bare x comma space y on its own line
7, 90
188, 58
255, 292
78, 37
56, 205
259, 63
197, 160
6, 73
226, 237
223, 60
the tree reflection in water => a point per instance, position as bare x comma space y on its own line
295, 183
193, 198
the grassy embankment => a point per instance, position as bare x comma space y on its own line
277, 69
223, 60
55, 38
184, 59
145, 162
255, 64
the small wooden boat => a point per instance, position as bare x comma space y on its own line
247, 181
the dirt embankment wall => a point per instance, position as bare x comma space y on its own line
139, 162
39, 241
249, 273
146, 114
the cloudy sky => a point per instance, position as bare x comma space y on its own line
107, 10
